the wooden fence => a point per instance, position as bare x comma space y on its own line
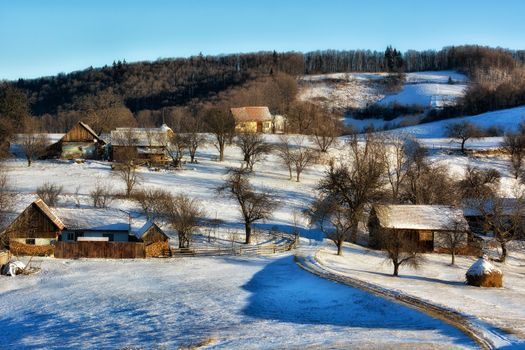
290, 242
108, 250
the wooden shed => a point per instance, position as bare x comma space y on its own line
79, 142
427, 225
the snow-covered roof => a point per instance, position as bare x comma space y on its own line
421, 217
93, 219
482, 267
246, 114
152, 137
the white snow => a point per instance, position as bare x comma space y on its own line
429, 89
482, 267
230, 302
507, 119
438, 282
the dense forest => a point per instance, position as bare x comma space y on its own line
146, 93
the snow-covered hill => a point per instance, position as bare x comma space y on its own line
506, 119
429, 89
343, 91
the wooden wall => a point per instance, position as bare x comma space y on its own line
78, 134
32, 223
107, 250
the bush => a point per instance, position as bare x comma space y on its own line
101, 196
49, 193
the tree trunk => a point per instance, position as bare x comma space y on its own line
463, 146
340, 248
503, 255
298, 176
28, 161
396, 269
221, 153
453, 251
248, 228
290, 171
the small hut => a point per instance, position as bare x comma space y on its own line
483, 274
156, 242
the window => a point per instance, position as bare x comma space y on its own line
110, 236
71, 236
30, 241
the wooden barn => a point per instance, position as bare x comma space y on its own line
79, 142
83, 232
143, 145
253, 120
427, 225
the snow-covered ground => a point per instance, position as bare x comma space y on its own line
234, 302
429, 89
440, 283
227, 302
506, 119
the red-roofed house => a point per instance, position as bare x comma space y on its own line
256, 119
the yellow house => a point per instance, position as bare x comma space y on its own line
252, 119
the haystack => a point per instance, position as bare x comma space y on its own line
483, 274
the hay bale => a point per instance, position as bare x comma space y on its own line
483, 274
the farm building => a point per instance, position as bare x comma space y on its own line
257, 119
427, 225
82, 232
79, 142
510, 210
146, 145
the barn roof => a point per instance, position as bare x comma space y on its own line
139, 232
88, 129
40, 204
93, 219
420, 217
506, 206
246, 114
142, 137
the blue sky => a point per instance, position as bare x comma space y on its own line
47, 37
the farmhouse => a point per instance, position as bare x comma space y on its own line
143, 145
425, 224
257, 119
83, 232
79, 142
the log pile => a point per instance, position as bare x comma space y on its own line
18, 248
157, 249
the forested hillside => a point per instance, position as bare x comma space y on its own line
147, 92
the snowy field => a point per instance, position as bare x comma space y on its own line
442, 284
230, 302
429, 89
233, 303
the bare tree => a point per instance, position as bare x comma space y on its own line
400, 250
127, 172
49, 193
178, 144
152, 201
183, 214
284, 152
333, 219
222, 126
325, 131
398, 161
101, 195
514, 145
479, 183
253, 205
454, 239
463, 131
34, 145
357, 181
194, 137
302, 157
6, 203
253, 147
